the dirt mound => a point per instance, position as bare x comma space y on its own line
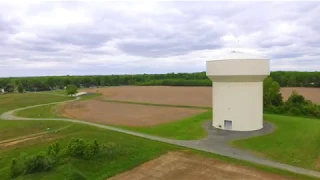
181, 166
124, 114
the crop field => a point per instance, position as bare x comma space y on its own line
312, 94
181, 165
192, 96
130, 115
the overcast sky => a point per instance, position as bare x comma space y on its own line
79, 38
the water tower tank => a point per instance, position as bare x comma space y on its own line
237, 91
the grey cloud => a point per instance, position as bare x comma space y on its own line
169, 30
82, 39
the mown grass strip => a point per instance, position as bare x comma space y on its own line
154, 104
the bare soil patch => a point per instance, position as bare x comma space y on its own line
27, 139
192, 96
181, 165
124, 114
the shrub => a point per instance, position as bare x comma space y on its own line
53, 149
76, 147
88, 151
295, 111
296, 99
96, 146
38, 163
298, 106
15, 169
83, 149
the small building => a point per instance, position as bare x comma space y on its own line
237, 91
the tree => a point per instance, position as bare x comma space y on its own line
71, 89
20, 88
9, 88
271, 92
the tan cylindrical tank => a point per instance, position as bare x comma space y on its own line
238, 91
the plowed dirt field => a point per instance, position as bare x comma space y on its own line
124, 114
193, 96
185, 166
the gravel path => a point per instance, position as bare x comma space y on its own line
216, 142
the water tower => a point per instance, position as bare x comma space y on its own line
237, 91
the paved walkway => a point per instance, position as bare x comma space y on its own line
216, 142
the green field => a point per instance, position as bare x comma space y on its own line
48, 111
13, 101
134, 151
297, 138
189, 128
296, 141
291, 134
130, 156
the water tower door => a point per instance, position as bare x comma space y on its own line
227, 124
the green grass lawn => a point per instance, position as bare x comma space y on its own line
46, 111
22, 128
185, 129
49, 111
57, 92
296, 141
154, 104
135, 151
15, 100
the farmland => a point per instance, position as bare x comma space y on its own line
162, 111
130, 115
192, 96
32, 137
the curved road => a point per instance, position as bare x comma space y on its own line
216, 142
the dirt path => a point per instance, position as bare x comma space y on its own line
21, 139
219, 147
182, 165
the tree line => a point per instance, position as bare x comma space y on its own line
284, 78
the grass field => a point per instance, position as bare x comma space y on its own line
13, 101
189, 128
52, 110
134, 150
131, 148
296, 141
137, 150
46, 111
291, 134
